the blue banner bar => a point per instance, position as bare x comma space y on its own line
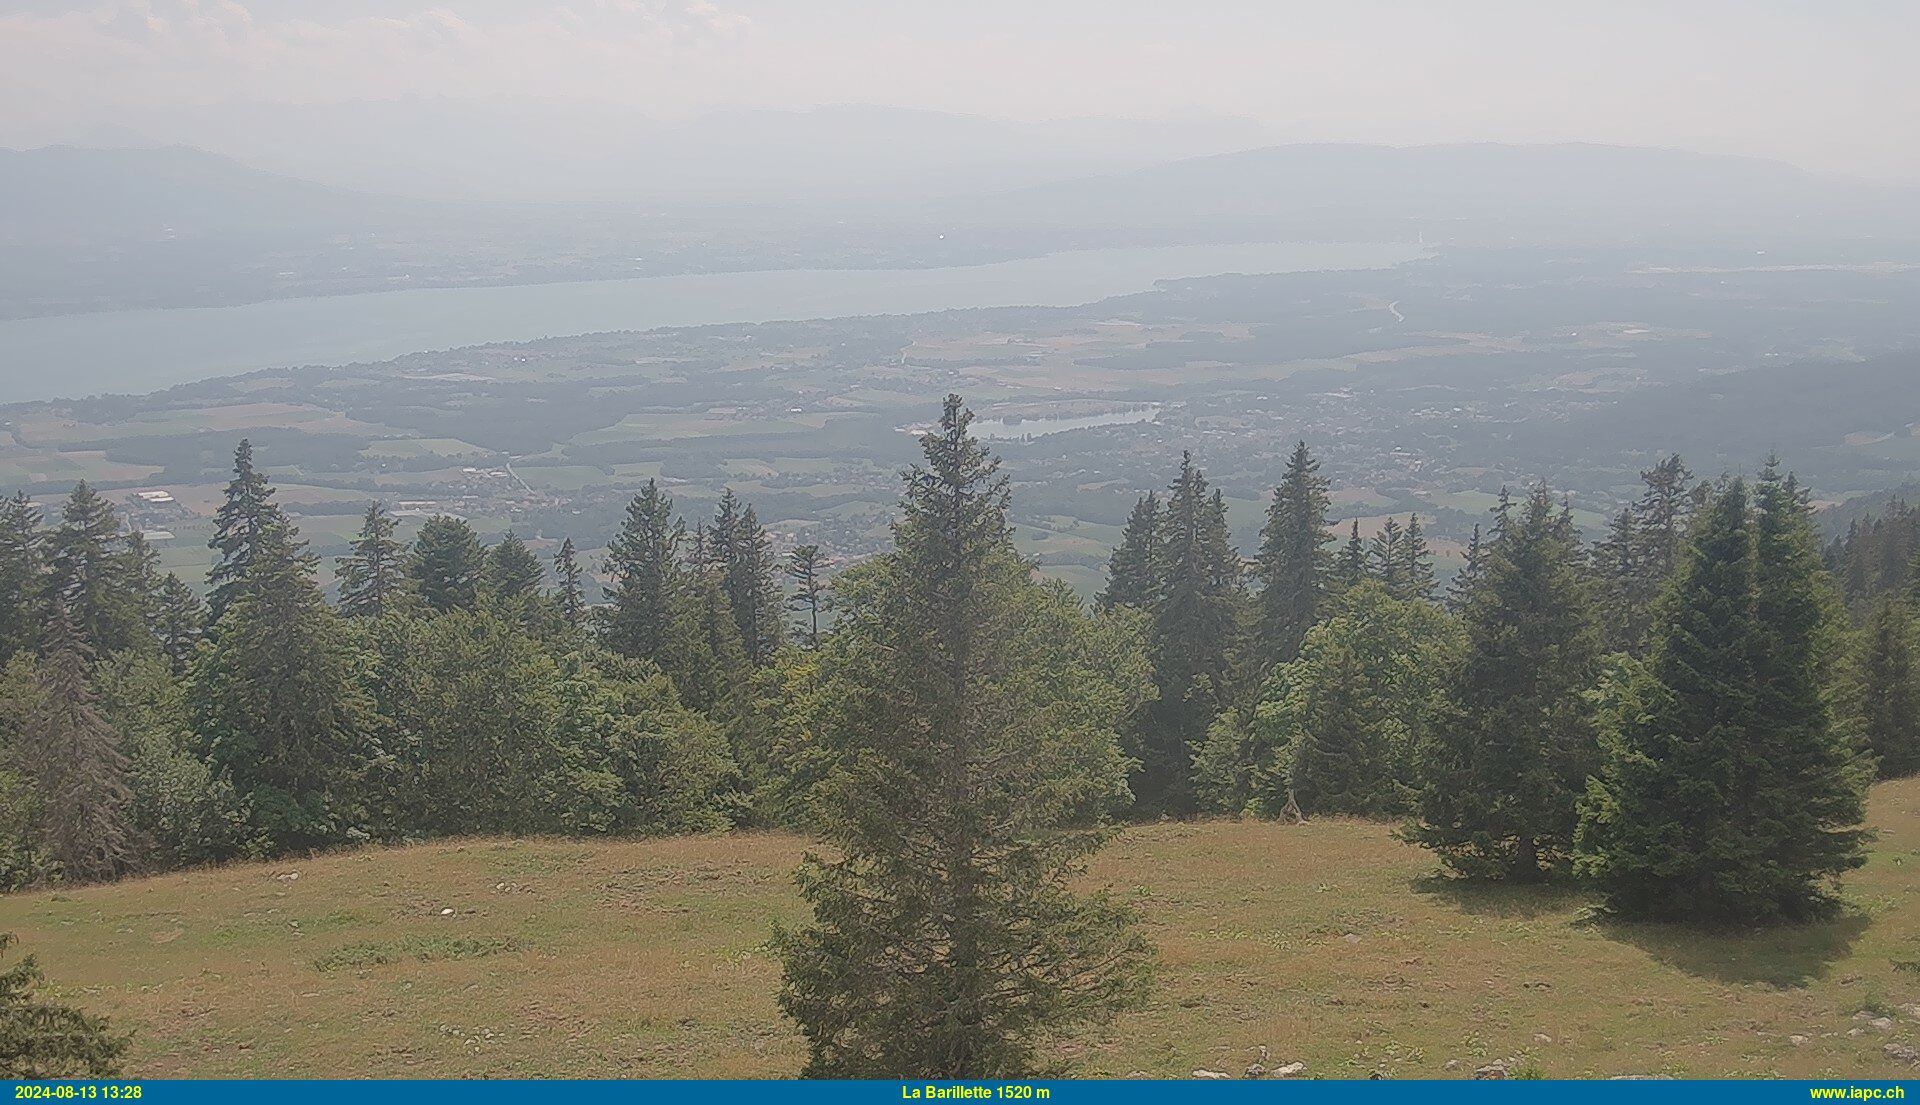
1638, 1091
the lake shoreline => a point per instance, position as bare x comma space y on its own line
137, 352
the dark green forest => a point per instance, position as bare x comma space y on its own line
1684, 715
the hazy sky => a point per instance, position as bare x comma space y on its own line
1830, 84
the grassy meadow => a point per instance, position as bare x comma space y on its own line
1329, 943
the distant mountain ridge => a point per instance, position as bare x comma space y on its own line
69, 192
543, 151
1556, 189
92, 229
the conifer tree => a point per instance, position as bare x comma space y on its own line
1133, 569
967, 738
512, 575
1726, 795
715, 544
744, 554
1415, 573
243, 521
42, 1040
1850, 560
93, 572
1341, 761
1513, 738
183, 813
1336, 729
650, 589
709, 664
571, 596
144, 578
446, 564
1883, 687
71, 753
1470, 576
1350, 570
1386, 559
1642, 550
807, 568
180, 621
373, 575
22, 565
1615, 566
1663, 512
276, 702
1194, 639
1294, 565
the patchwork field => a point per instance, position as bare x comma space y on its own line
1329, 943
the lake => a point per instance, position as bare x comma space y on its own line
140, 351
1001, 429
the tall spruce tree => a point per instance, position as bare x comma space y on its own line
513, 586
1350, 569
1513, 738
512, 572
1642, 550
373, 575
709, 663
276, 702
447, 564
71, 753
1416, 563
1294, 565
145, 578
242, 522
1472, 572
967, 729
180, 621
95, 573
807, 569
744, 554
1196, 618
650, 588
22, 565
1726, 795
1882, 687
1133, 577
571, 596
1386, 559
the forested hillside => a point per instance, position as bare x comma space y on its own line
1681, 719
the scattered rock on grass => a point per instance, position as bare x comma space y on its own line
1211, 1074
1492, 1072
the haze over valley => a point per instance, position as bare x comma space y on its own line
959, 544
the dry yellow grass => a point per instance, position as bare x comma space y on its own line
1329, 943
